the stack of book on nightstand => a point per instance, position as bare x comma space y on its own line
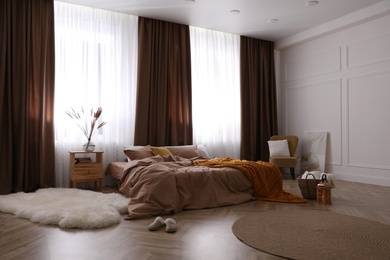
83, 160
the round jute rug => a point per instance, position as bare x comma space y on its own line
314, 234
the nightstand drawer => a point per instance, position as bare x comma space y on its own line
88, 166
87, 174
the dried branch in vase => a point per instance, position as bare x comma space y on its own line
82, 122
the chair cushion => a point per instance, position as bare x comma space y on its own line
288, 162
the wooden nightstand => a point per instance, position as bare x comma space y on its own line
86, 167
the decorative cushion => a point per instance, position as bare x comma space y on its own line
185, 151
278, 148
160, 151
138, 153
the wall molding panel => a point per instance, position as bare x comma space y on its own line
321, 63
368, 107
319, 107
368, 51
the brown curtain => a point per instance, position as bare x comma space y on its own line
258, 98
26, 95
164, 108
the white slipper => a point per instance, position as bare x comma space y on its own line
171, 226
156, 224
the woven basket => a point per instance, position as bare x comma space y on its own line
308, 187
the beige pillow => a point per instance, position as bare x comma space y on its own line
278, 148
160, 151
139, 153
185, 151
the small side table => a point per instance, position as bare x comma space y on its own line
86, 169
324, 195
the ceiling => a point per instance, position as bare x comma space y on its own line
293, 15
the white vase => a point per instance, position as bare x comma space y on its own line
90, 148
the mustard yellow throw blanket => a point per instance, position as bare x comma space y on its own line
265, 177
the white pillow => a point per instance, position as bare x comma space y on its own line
202, 151
133, 147
278, 148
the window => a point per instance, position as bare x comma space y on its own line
215, 58
96, 65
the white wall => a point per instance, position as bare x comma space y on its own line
336, 78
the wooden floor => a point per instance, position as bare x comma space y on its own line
202, 234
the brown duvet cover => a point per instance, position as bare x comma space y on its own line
166, 184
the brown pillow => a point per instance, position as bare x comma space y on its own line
185, 151
160, 151
140, 153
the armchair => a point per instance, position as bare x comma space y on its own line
281, 156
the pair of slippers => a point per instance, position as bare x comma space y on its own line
159, 222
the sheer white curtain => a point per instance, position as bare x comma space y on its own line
96, 66
215, 65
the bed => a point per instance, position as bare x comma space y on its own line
166, 180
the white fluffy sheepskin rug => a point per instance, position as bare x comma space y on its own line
67, 208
